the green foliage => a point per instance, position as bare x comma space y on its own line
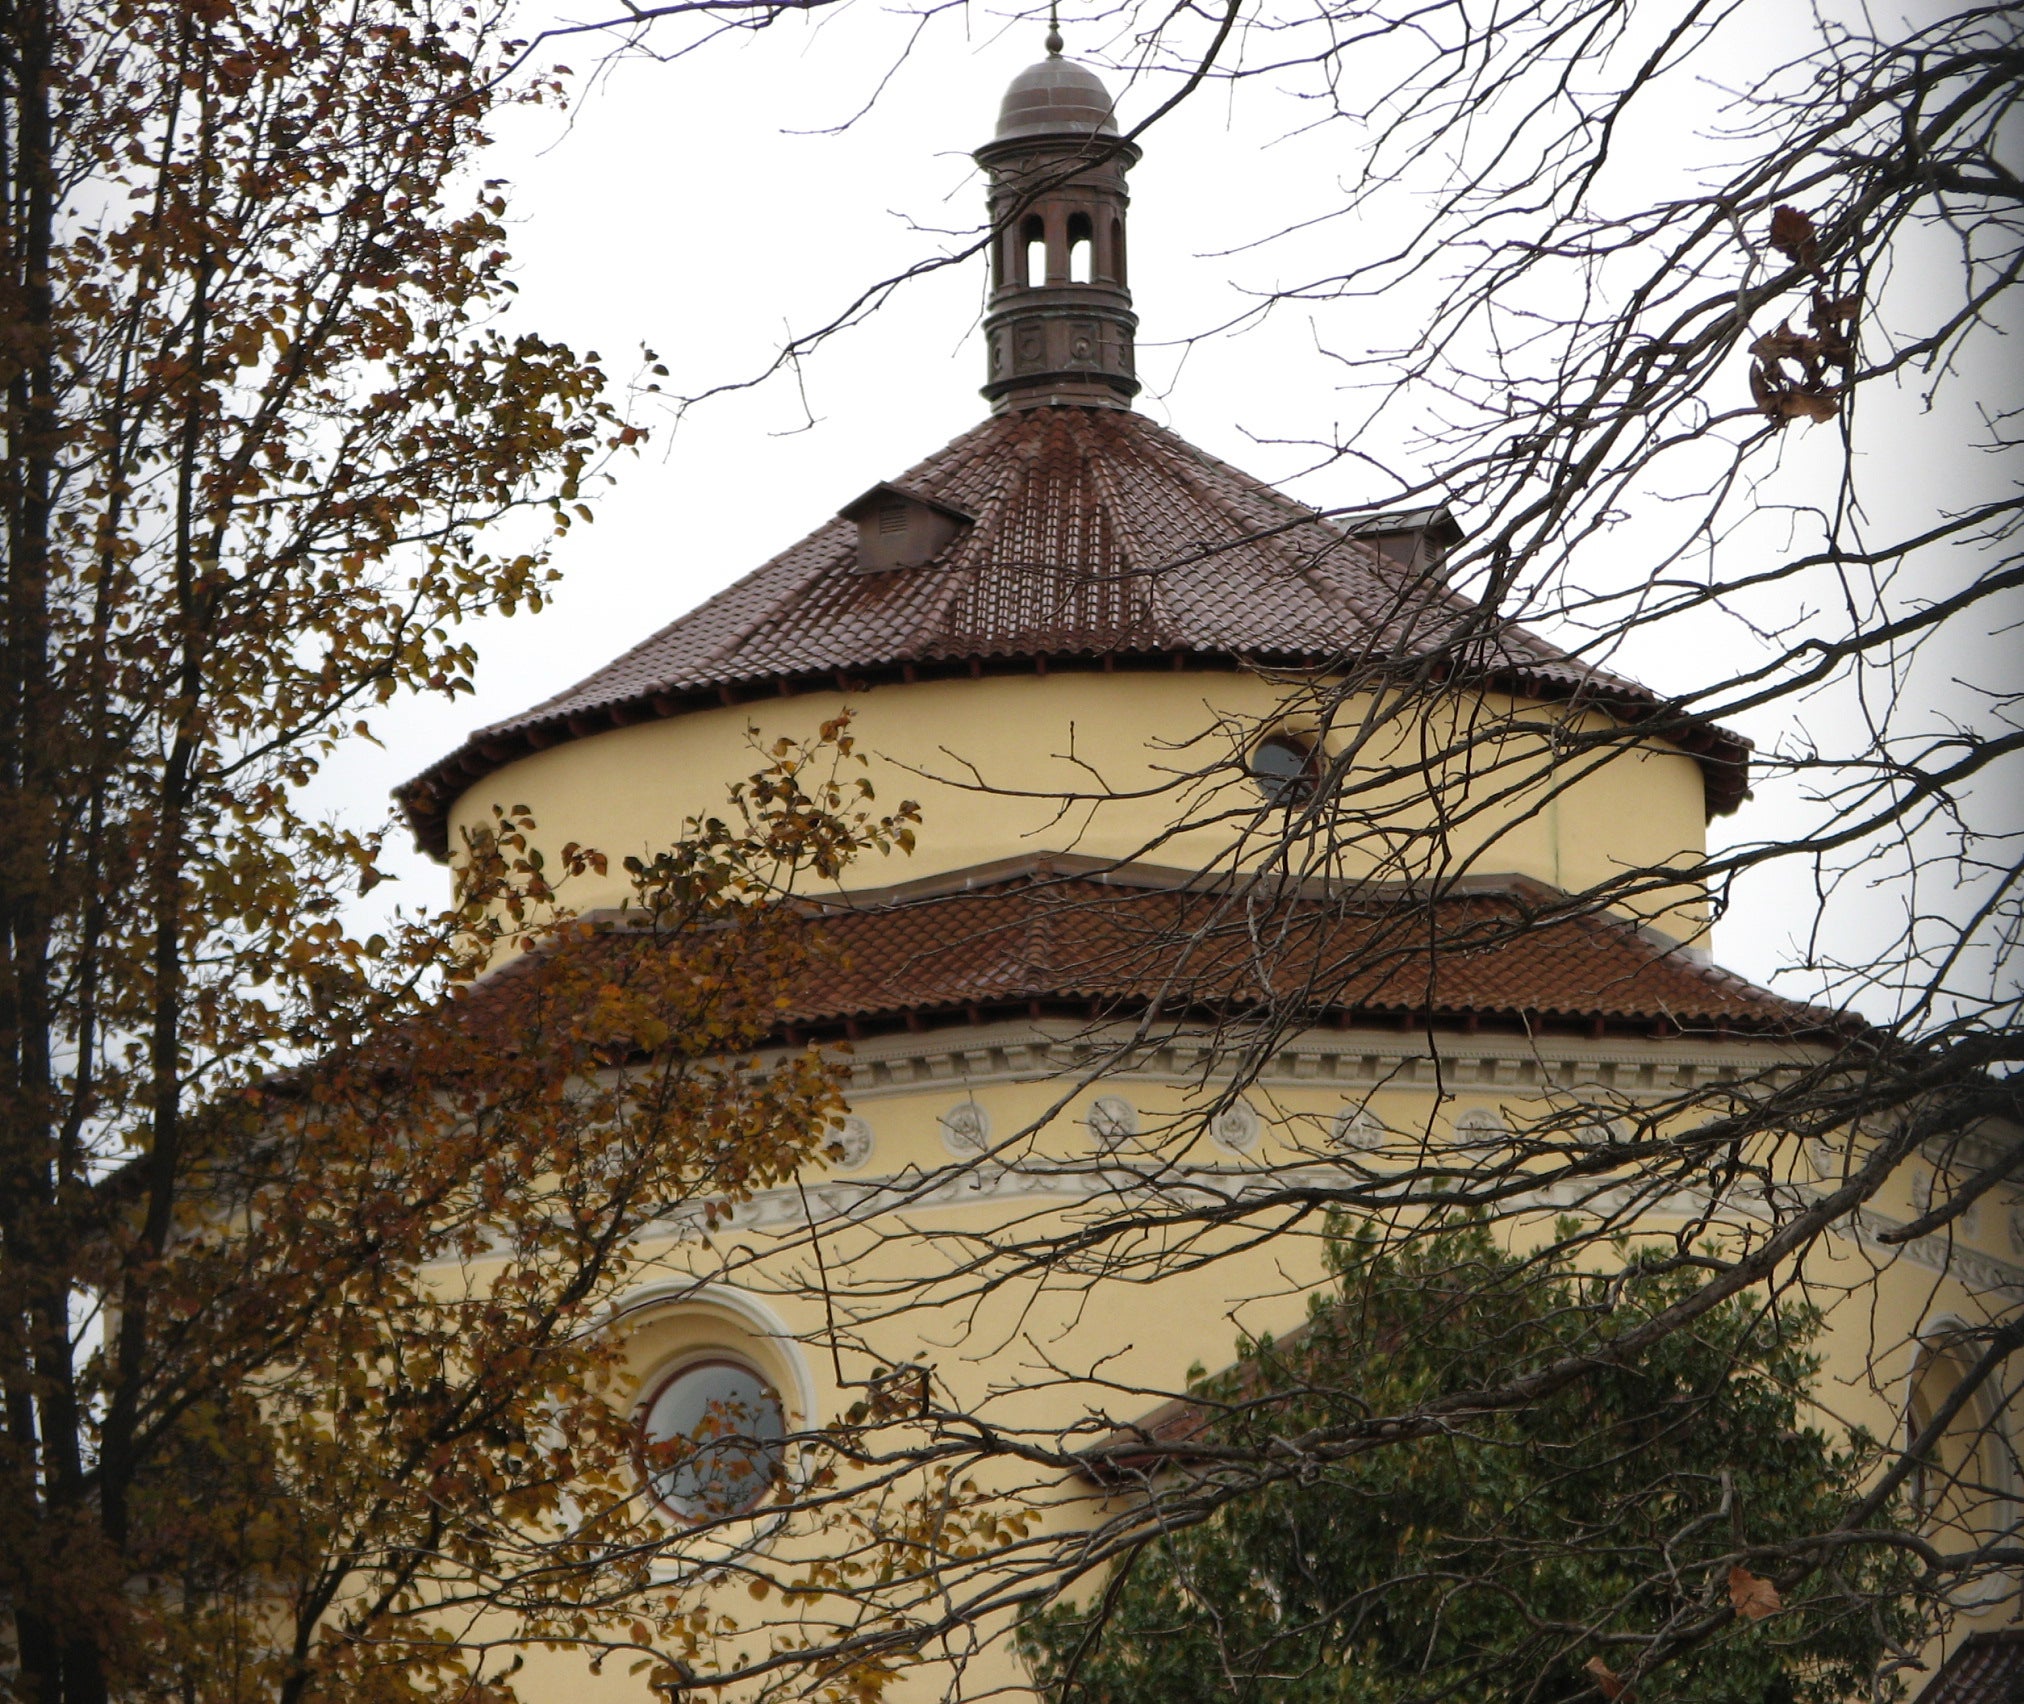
1547, 1551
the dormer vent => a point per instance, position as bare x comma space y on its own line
897, 528
1418, 540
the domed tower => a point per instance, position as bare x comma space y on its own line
1066, 565
1060, 324
1092, 652
1066, 588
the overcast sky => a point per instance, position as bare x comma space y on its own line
706, 207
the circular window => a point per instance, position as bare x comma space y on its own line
713, 1440
1286, 769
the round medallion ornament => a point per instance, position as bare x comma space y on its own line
1112, 1120
1608, 1124
1356, 1129
1926, 1196
1235, 1128
1480, 1127
966, 1130
852, 1143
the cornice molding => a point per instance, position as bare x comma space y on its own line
1044, 1050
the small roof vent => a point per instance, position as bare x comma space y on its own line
898, 528
1416, 539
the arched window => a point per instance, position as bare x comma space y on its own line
1286, 769
712, 1439
1033, 251
1081, 248
1954, 1479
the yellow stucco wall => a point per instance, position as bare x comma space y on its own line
1014, 1354
1133, 765
1107, 765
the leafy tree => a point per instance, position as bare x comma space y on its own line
300, 1247
1626, 1529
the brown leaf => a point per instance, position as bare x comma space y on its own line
1817, 405
1793, 235
1607, 1681
1784, 399
1779, 344
1751, 1597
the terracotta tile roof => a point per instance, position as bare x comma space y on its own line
1154, 1441
1098, 536
1039, 944
1508, 954
1987, 1668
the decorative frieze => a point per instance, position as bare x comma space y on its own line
787, 1211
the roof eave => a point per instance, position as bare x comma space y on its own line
425, 799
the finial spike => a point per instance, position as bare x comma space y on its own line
1054, 29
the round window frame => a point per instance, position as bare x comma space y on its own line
1292, 790
658, 1386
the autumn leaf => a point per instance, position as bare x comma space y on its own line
1777, 394
1751, 1597
1607, 1681
1782, 344
1793, 235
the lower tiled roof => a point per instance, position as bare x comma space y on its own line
1056, 936
1986, 1668
1514, 952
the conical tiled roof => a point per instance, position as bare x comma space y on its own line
1096, 538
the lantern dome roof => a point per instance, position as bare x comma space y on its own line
1056, 97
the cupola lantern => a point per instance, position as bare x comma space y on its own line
1060, 325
